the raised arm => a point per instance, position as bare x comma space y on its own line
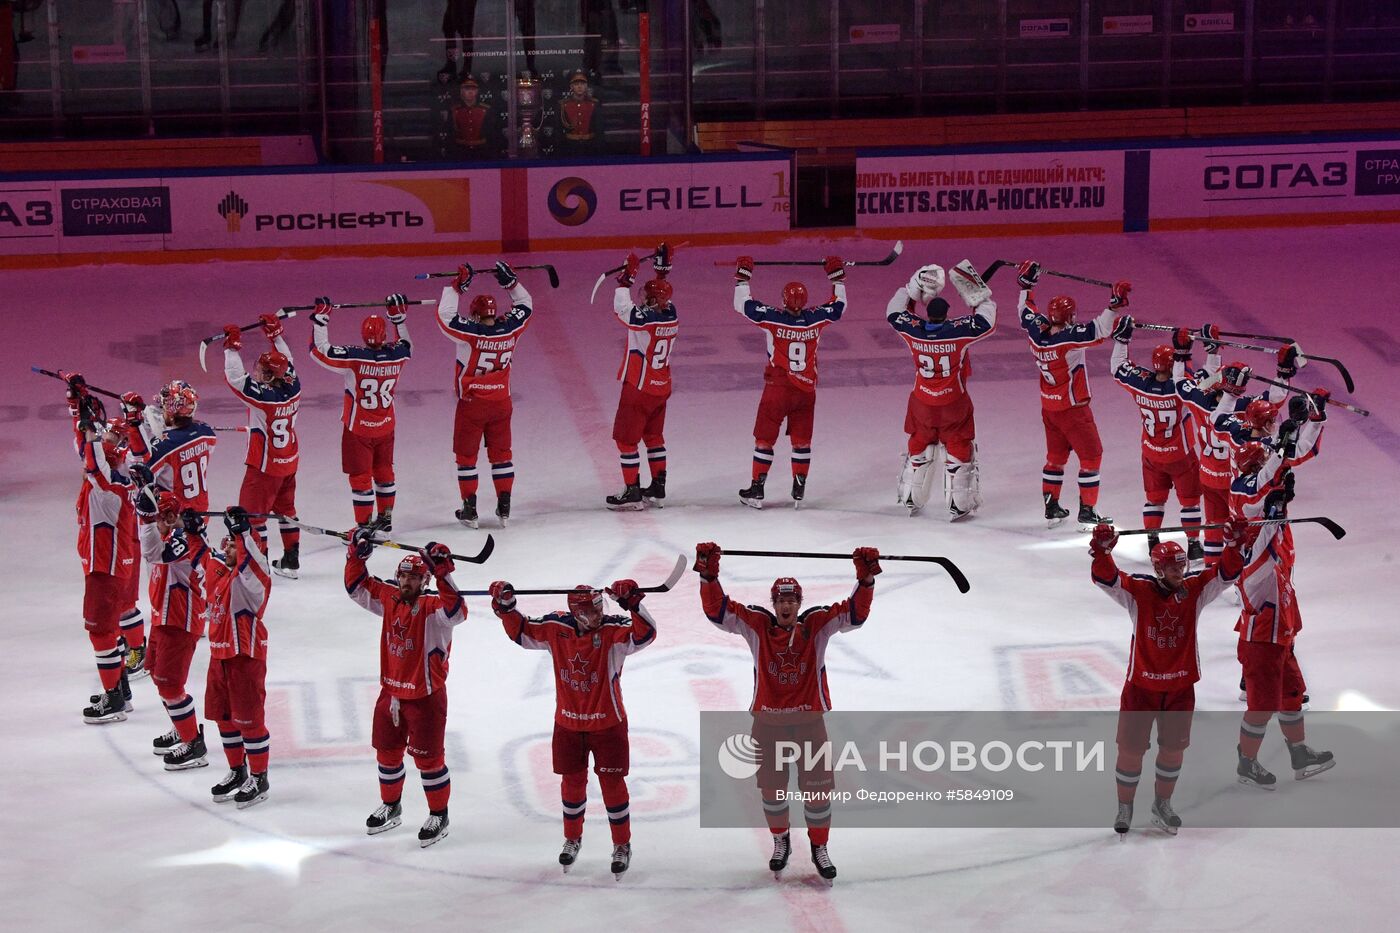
850, 613
723, 613
360, 586
629, 596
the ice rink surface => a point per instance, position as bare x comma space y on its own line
98, 837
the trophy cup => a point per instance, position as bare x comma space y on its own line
527, 107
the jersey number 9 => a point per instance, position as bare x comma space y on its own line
797, 357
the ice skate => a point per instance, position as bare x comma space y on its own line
384, 521
224, 791
1250, 772
434, 829
1089, 517
799, 490
503, 508
188, 755
162, 743
822, 860
135, 664
569, 854
753, 496
1152, 541
1195, 553
621, 859
782, 851
467, 513
108, 707
655, 494
384, 818
1244, 694
289, 564
1054, 512
1164, 817
253, 791
629, 500
1124, 821
1307, 762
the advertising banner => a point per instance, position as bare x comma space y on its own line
1241, 181
988, 188
1127, 25
659, 198
1045, 28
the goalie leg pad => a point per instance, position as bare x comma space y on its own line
968, 281
962, 485
916, 480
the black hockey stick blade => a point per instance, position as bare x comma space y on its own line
479, 558
1346, 376
676, 573
549, 270
1335, 530
1077, 278
959, 578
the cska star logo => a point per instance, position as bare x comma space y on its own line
397, 638
1166, 630
576, 676
786, 667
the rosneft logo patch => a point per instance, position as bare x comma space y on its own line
572, 201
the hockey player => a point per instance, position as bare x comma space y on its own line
646, 381
107, 547
1168, 460
1269, 620
236, 588
1164, 662
485, 344
371, 375
939, 412
415, 642
1059, 344
790, 378
273, 396
790, 686
587, 648
177, 622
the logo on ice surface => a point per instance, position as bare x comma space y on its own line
738, 756
233, 209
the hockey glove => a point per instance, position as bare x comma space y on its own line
629, 271
271, 325
627, 594
321, 313
743, 268
661, 260
1119, 296
463, 280
1210, 337
834, 268
397, 307
1235, 533
147, 503
1181, 344
1027, 274
193, 523
505, 275
502, 596
362, 541
1288, 439
439, 559
1288, 361
1123, 328
926, 282
1103, 540
1319, 398
236, 521
233, 337
867, 561
141, 474
707, 557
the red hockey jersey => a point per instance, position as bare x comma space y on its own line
484, 352
235, 600
272, 414
175, 587
371, 376
1064, 382
107, 541
941, 362
651, 336
415, 641
792, 338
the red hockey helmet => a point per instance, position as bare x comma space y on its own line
413, 565
1250, 457
1167, 554
1060, 310
178, 399
1260, 414
484, 306
168, 505
1234, 377
1163, 358
657, 293
276, 363
113, 437
374, 331
586, 603
786, 586
794, 296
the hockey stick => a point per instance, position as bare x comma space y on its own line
550, 270
1335, 530
958, 577
1330, 401
1346, 376
91, 388
480, 557
293, 309
281, 313
614, 271
1077, 278
676, 573
995, 267
888, 260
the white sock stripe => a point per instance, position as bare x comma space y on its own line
179, 707
1290, 718
572, 810
1249, 728
1056, 478
391, 774
231, 741
430, 783
466, 472
816, 813
764, 455
632, 459
386, 489
131, 618
1125, 778
772, 806
655, 452
253, 746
